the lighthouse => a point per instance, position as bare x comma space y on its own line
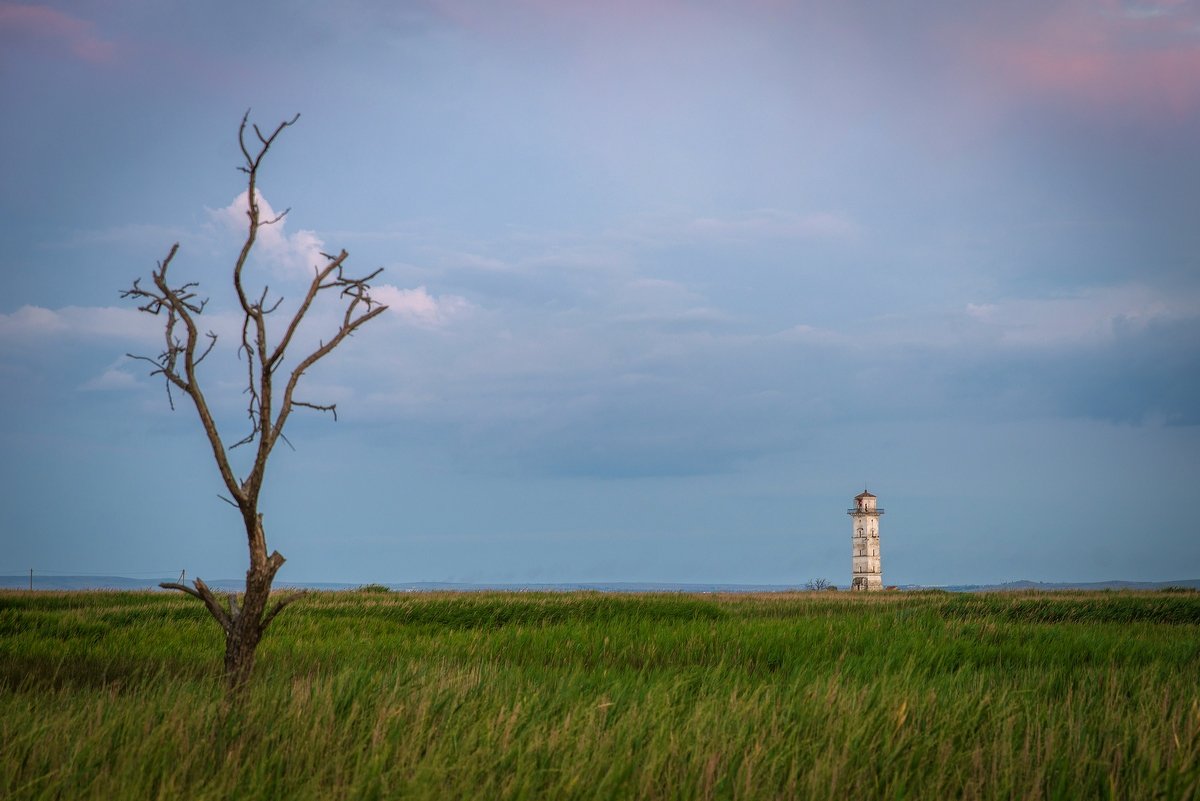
868, 575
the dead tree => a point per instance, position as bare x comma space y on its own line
185, 348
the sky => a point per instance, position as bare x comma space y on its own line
669, 283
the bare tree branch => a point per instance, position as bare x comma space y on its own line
212, 341
202, 592
332, 407
277, 217
280, 604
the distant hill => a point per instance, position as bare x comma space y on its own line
49, 582
1009, 586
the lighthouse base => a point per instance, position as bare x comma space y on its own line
867, 583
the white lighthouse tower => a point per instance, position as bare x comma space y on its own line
868, 575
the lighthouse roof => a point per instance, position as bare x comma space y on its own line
863, 494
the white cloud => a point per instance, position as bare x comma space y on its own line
1094, 316
32, 322
419, 307
110, 379
289, 254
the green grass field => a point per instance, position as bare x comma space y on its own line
378, 695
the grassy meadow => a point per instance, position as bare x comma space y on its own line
584, 695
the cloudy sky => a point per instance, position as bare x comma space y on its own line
669, 283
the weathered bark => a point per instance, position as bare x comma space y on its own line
244, 622
242, 639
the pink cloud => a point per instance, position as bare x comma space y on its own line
1167, 79
1109, 54
78, 36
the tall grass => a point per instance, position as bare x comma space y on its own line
585, 695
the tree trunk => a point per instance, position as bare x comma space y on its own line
244, 623
248, 624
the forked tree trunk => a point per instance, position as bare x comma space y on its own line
241, 639
244, 623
